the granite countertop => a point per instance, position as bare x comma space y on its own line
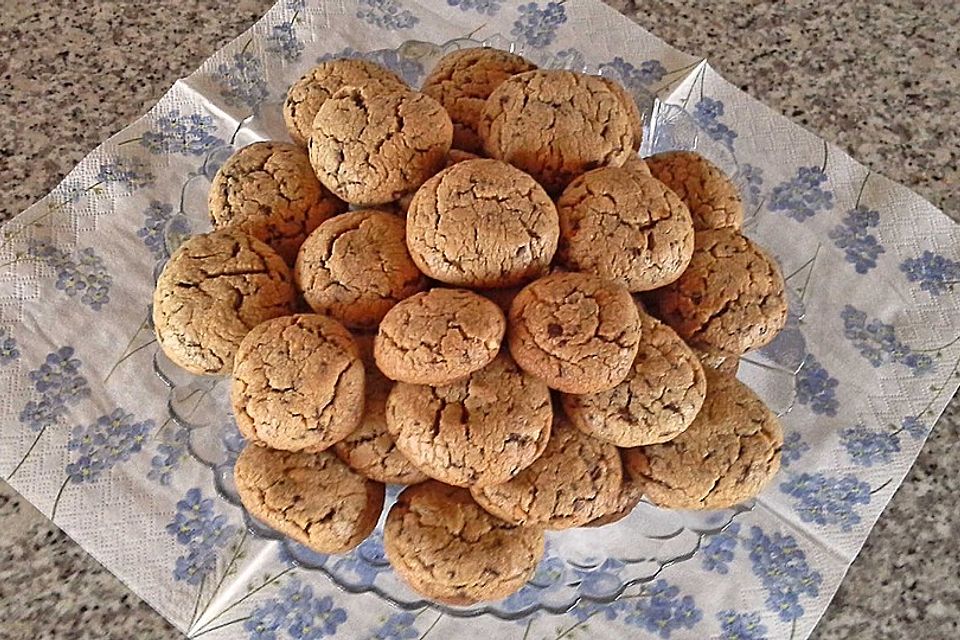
877, 77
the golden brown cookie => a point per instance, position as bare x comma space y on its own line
629, 496
455, 156
462, 81
215, 288
577, 479
311, 497
714, 201
355, 267
556, 125
439, 336
731, 297
269, 190
449, 549
308, 94
660, 397
370, 450
729, 453
631, 108
624, 227
297, 383
371, 147
575, 331
482, 223
636, 164
480, 430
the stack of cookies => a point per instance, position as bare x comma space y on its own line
518, 317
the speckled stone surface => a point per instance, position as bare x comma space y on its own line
877, 77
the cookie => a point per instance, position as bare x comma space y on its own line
455, 156
627, 499
449, 549
462, 81
576, 480
480, 430
269, 190
311, 497
370, 450
575, 331
308, 94
356, 266
482, 223
731, 297
728, 363
297, 383
631, 109
658, 400
624, 227
439, 337
556, 125
729, 453
370, 147
214, 289
636, 164
714, 201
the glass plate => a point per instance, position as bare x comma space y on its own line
588, 564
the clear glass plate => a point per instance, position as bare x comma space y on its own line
587, 564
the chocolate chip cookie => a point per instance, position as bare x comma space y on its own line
215, 288
575, 331
450, 550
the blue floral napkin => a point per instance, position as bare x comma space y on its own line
867, 363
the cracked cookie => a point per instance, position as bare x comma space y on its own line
463, 80
575, 331
480, 430
576, 480
556, 125
731, 297
439, 336
312, 497
624, 227
636, 164
455, 156
214, 289
356, 266
629, 496
370, 450
714, 201
269, 190
659, 398
370, 147
449, 549
308, 94
482, 223
631, 109
297, 383
729, 453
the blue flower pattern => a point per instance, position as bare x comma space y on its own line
750, 178
83, 273
867, 447
934, 272
365, 562
191, 134
793, 449
741, 626
635, 78
155, 219
483, 7
386, 14
536, 26
782, 567
8, 348
664, 610
860, 247
827, 501
168, 457
284, 41
98, 447
398, 626
817, 388
242, 80
296, 614
203, 532
914, 426
59, 385
803, 196
707, 113
718, 552
878, 343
